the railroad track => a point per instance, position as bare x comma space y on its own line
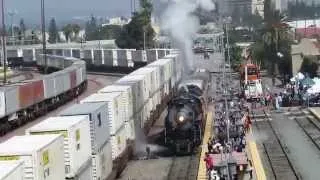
311, 127
184, 168
281, 166
106, 74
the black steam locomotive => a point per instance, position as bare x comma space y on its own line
184, 123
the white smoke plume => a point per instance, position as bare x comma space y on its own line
179, 20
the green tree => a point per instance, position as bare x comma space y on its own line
53, 32
309, 66
132, 35
22, 32
275, 37
67, 30
110, 31
76, 30
92, 29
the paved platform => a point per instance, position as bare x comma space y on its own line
304, 156
315, 111
202, 175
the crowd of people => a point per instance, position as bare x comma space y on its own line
239, 123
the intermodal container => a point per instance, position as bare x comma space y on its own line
42, 154
73, 78
118, 142
102, 162
85, 172
126, 97
142, 86
98, 118
30, 93
130, 129
77, 142
11, 170
137, 100
114, 108
49, 86
9, 100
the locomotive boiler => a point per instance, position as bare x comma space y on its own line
184, 123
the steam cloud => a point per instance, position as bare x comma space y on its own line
179, 20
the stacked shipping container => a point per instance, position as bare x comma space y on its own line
43, 155
99, 134
11, 170
108, 119
76, 133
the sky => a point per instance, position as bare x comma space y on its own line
68, 9
64, 10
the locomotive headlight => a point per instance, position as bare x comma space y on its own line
181, 118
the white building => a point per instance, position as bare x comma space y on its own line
117, 21
280, 5
258, 6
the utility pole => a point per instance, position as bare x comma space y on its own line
228, 50
4, 44
43, 28
144, 38
11, 14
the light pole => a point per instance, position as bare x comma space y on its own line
144, 38
11, 14
4, 44
43, 29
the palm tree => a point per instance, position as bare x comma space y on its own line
275, 32
76, 30
67, 30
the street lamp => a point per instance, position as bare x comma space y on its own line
43, 29
4, 43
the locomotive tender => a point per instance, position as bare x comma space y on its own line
184, 123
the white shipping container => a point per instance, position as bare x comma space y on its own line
11, 170
161, 67
98, 118
62, 82
137, 99
122, 104
79, 75
127, 97
102, 163
77, 141
85, 172
49, 86
9, 100
147, 73
130, 129
114, 108
143, 87
167, 65
118, 142
43, 155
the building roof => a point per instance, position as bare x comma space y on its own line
82, 109
308, 32
304, 23
308, 47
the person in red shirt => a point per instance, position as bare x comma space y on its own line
209, 162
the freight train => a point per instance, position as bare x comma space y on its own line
25, 101
116, 113
184, 123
